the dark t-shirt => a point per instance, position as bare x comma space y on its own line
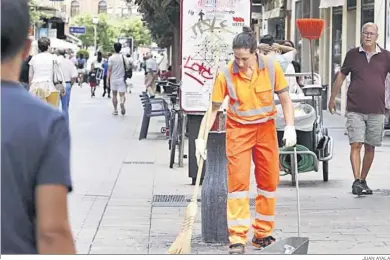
92, 76
25, 70
366, 92
35, 150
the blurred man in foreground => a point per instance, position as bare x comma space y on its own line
35, 168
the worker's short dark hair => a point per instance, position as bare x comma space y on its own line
117, 47
267, 39
15, 24
245, 40
43, 44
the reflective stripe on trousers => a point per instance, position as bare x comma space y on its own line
243, 141
252, 112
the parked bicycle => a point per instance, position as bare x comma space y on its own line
177, 124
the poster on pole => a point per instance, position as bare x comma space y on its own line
207, 31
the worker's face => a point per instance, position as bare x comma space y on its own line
244, 58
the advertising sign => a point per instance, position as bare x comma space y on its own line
207, 32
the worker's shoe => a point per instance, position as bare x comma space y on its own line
357, 188
261, 243
366, 189
236, 249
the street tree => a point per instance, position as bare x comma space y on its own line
162, 17
110, 29
135, 28
105, 33
35, 14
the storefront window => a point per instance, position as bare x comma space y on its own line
337, 27
297, 40
306, 9
368, 12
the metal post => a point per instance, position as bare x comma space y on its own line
181, 149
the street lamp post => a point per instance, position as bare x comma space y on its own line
95, 21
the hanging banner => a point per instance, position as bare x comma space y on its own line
207, 28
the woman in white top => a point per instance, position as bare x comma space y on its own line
41, 74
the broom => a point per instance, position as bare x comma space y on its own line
311, 29
182, 243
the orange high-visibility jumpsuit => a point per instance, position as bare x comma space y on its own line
251, 132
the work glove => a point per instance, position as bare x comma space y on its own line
290, 136
200, 149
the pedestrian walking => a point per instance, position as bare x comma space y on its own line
368, 65
35, 151
70, 77
106, 86
41, 73
116, 78
250, 82
92, 75
130, 62
81, 65
151, 75
24, 74
98, 65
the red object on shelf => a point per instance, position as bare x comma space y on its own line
310, 28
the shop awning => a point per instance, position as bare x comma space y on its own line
331, 3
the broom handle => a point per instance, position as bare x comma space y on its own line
205, 135
311, 60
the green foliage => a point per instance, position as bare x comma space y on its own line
161, 21
35, 14
84, 52
136, 29
108, 31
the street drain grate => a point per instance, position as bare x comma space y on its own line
176, 201
169, 198
137, 162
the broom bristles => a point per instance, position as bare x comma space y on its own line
310, 28
182, 243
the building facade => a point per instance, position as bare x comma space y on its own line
343, 22
73, 8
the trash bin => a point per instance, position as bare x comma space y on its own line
305, 117
168, 89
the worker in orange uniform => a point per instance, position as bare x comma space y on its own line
251, 81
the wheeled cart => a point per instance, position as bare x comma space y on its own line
313, 143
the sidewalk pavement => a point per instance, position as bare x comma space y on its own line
118, 181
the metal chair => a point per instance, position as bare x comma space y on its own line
149, 105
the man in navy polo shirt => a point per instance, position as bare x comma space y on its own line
35, 172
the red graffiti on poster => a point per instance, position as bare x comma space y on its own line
204, 72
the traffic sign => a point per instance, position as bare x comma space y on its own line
77, 29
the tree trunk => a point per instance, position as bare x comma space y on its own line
176, 49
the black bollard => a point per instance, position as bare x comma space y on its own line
214, 191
